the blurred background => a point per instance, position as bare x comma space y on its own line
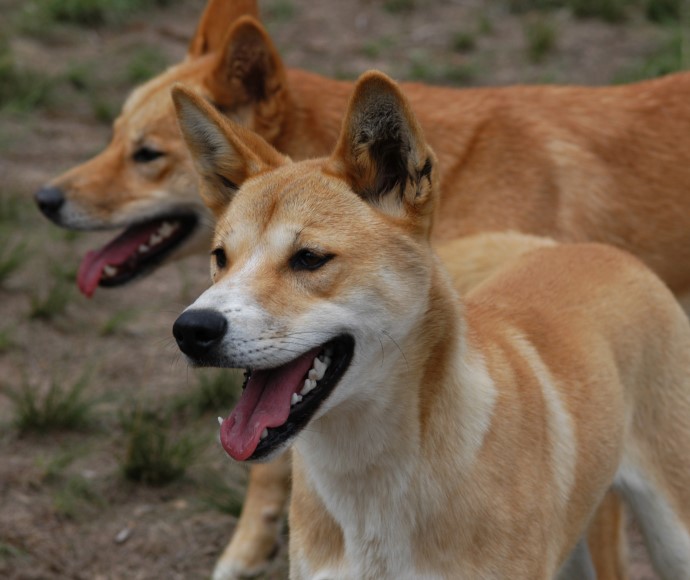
110, 466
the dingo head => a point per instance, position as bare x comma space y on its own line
144, 181
318, 266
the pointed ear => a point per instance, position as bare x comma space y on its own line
382, 152
224, 154
250, 72
215, 21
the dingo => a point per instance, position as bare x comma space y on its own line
433, 439
573, 163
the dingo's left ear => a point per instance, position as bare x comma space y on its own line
249, 77
224, 154
383, 153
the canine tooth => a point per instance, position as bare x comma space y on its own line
143, 248
155, 239
110, 271
313, 375
264, 433
320, 368
220, 420
296, 399
166, 229
309, 386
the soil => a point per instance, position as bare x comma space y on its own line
66, 510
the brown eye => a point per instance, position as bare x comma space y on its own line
146, 155
308, 260
226, 182
220, 257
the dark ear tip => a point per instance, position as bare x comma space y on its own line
247, 29
180, 93
375, 80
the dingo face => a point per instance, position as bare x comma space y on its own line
144, 181
304, 296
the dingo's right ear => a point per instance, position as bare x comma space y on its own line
224, 154
215, 22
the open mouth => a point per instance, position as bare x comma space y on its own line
277, 403
136, 251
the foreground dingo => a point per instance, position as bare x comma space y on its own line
431, 439
604, 164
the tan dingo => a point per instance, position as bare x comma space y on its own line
433, 439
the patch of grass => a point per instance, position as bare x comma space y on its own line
83, 78
611, 11
86, 12
53, 467
152, 455
458, 74
485, 26
398, 6
218, 495
375, 48
6, 341
672, 56
8, 551
425, 70
540, 37
281, 10
464, 42
70, 235
104, 111
75, 496
61, 408
663, 10
117, 322
344, 74
144, 64
21, 90
53, 302
13, 254
216, 392
522, 6
12, 208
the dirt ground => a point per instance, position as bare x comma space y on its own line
66, 509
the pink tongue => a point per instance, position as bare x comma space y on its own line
265, 402
114, 254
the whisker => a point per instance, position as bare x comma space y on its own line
385, 333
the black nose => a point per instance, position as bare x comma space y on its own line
197, 331
49, 200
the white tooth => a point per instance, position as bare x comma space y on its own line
321, 356
313, 375
166, 229
155, 239
296, 398
320, 368
143, 248
327, 361
220, 420
309, 386
264, 433
110, 271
